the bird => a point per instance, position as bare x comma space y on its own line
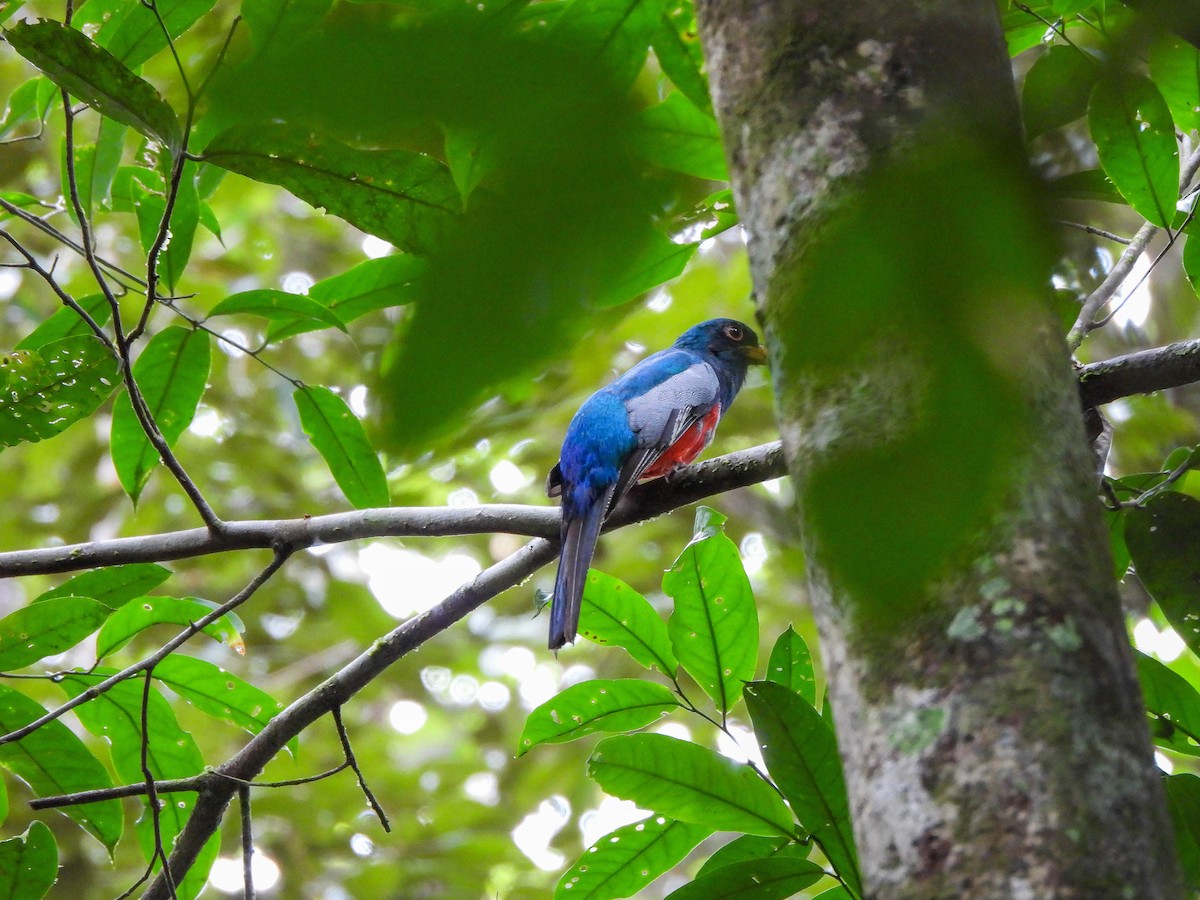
648, 422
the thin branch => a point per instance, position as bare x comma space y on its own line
281, 556
247, 843
151, 793
714, 476
1086, 321
1091, 229
348, 751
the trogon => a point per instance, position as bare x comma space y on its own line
656, 417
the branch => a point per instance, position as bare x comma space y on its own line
711, 477
1141, 372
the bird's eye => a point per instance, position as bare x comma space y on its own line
733, 332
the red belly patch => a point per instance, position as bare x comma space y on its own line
686, 448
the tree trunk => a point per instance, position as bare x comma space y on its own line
989, 719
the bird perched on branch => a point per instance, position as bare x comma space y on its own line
656, 417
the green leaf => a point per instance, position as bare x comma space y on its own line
613, 33
1183, 802
598, 705
45, 391
472, 156
150, 207
110, 146
1173, 703
626, 860
140, 614
1191, 256
1057, 89
1162, 537
678, 135
116, 716
403, 197
1135, 137
277, 306
801, 754
755, 879
28, 864
219, 693
658, 259
47, 628
28, 103
172, 373
688, 782
65, 322
342, 441
791, 665
1175, 68
136, 35
676, 43
273, 20
614, 613
52, 760
113, 586
752, 846
1088, 184
97, 77
714, 630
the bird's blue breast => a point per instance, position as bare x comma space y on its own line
597, 443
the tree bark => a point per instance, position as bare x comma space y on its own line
988, 715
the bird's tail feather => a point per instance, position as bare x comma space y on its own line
579, 537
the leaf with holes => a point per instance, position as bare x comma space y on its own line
113, 586
220, 694
790, 664
626, 860
714, 630
116, 716
52, 760
754, 879
1135, 137
622, 705
278, 306
172, 373
44, 629
138, 615
1162, 537
28, 864
802, 756
342, 441
614, 613
688, 782
403, 197
46, 390
97, 77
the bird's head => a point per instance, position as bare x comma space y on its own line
726, 339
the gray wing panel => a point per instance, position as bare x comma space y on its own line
665, 411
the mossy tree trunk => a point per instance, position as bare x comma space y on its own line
987, 711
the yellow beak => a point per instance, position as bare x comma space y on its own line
757, 355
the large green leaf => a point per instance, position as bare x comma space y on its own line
65, 322
1183, 801
1162, 537
219, 693
1173, 703
28, 864
1175, 68
46, 390
1135, 137
657, 259
676, 43
598, 705
96, 77
678, 135
614, 613
172, 373
688, 782
375, 284
44, 629
342, 441
113, 586
403, 197
135, 34
714, 630
752, 846
52, 760
613, 33
790, 664
138, 615
272, 20
278, 306
801, 754
170, 752
1057, 88
755, 879
623, 862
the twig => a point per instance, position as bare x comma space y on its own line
158, 656
344, 737
151, 793
247, 843
1091, 229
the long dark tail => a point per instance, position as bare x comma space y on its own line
579, 536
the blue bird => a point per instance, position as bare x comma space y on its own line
656, 417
